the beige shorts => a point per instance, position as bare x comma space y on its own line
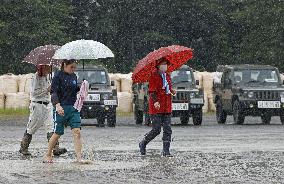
40, 115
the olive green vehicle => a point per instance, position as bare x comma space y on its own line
101, 102
188, 101
249, 90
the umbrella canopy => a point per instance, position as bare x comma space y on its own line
43, 55
83, 49
176, 55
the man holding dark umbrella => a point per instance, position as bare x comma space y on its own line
160, 107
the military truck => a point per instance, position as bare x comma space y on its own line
248, 90
188, 101
101, 102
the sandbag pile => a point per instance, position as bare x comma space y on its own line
17, 100
282, 77
124, 102
9, 83
2, 100
117, 80
126, 83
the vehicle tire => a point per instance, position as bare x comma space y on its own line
184, 119
221, 115
111, 120
138, 116
239, 118
101, 121
197, 117
282, 117
266, 119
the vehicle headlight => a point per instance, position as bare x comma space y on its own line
282, 94
105, 96
250, 94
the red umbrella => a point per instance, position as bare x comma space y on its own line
43, 56
176, 55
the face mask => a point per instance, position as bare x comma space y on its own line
163, 68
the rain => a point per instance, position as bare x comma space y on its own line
222, 112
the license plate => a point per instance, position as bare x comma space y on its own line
110, 102
197, 101
180, 106
269, 104
94, 97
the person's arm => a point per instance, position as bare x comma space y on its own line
36, 90
173, 92
153, 91
55, 90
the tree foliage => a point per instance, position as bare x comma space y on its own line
220, 31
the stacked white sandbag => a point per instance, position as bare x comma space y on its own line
22, 82
205, 106
2, 100
117, 81
9, 83
198, 76
17, 100
126, 83
282, 77
124, 102
28, 84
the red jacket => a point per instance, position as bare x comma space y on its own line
165, 100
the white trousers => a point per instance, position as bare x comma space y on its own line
40, 115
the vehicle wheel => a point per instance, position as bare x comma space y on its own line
197, 117
138, 116
101, 121
184, 119
111, 120
266, 119
239, 118
221, 115
147, 119
282, 117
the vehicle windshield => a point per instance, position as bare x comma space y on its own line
93, 77
179, 76
256, 76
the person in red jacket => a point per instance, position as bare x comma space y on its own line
160, 107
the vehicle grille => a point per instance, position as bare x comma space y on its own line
181, 96
267, 95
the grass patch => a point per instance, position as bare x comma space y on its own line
14, 112
121, 114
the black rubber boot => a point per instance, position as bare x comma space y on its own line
56, 150
25, 143
142, 147
166, 149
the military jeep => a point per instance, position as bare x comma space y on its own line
101, 102
188, 101
249, 90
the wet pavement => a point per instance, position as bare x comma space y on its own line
211, 153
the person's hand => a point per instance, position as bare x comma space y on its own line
157, 105
49, 88
59, 110
174, 92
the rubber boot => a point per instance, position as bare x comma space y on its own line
56, 150
142, 147
166, 149
27, 138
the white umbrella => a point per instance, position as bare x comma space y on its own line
83, 49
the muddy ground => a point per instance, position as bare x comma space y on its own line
211, 153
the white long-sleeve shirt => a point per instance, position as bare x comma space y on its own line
39, 91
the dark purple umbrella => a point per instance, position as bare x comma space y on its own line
43, 56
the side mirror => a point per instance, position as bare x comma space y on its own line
112, 83
197, 82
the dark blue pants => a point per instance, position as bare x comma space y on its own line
159, 120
